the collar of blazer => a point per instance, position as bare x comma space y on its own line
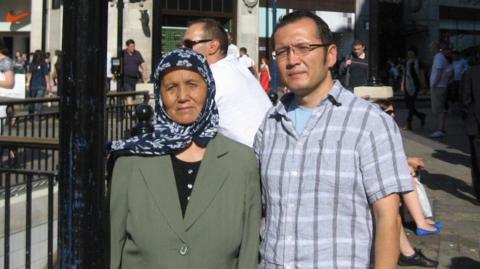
158, 175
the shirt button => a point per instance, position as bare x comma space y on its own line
294, 173
290, 238
183, 250
189, 186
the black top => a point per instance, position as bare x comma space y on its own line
185, 174
131, 62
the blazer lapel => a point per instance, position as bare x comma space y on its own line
158, 175
210, 178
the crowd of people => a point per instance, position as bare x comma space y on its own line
314, 181
40, 74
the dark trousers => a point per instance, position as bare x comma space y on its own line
412, 111
475, 157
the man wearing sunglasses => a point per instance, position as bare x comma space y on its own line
332, 164
240, 99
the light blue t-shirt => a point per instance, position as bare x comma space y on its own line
299, 116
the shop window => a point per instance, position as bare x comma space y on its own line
206, 5
217, 5
228, 6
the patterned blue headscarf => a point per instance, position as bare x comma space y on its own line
169, 136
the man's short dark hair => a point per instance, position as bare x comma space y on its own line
323, 30
213, 30
243, 50
130, 41
358, 42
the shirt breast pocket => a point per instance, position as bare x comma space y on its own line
337, 164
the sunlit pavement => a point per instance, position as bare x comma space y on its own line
448, 183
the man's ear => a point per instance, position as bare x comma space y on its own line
213, 47
331, 55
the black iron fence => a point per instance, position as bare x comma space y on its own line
22, 126
17, 229
29, 156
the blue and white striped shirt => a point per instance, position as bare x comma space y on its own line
318, 187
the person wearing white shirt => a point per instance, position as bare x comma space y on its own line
246, 61
242, 104
232, 50
438, 87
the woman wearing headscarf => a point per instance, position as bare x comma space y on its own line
184, 196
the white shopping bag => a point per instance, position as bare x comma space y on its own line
423, 198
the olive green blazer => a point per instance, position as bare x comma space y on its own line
222, 220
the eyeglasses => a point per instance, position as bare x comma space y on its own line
390, 112
190, 43
301, 49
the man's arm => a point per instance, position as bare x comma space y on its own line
387, 232
144, 72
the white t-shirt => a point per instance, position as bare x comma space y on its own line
233, 51
241, 101
246, 61
439, 63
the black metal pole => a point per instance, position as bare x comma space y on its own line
373, 42
82, 220
120, 41
44, 24
157, 35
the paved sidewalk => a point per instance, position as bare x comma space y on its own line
448, 183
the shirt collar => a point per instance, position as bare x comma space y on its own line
281, 107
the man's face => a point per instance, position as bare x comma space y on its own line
195, 33
305, 73
131, 48
358, 50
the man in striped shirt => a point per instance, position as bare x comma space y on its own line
332, 164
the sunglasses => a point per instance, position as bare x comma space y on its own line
390, 112
187, 43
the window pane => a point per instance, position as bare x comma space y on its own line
195, 5
172, 4
228, 6
184, 4
217, 5
206, 5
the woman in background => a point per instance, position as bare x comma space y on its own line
265, 75
38, 79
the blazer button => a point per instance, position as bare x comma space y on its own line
183, 250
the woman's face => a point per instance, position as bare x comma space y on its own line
390, 111
183, 95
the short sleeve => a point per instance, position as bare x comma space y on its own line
6, 65
439, 62
140, 58
382, 160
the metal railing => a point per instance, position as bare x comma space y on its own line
23, 128
22, 121
24, 200
29, 156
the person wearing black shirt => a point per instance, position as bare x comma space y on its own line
354, 69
